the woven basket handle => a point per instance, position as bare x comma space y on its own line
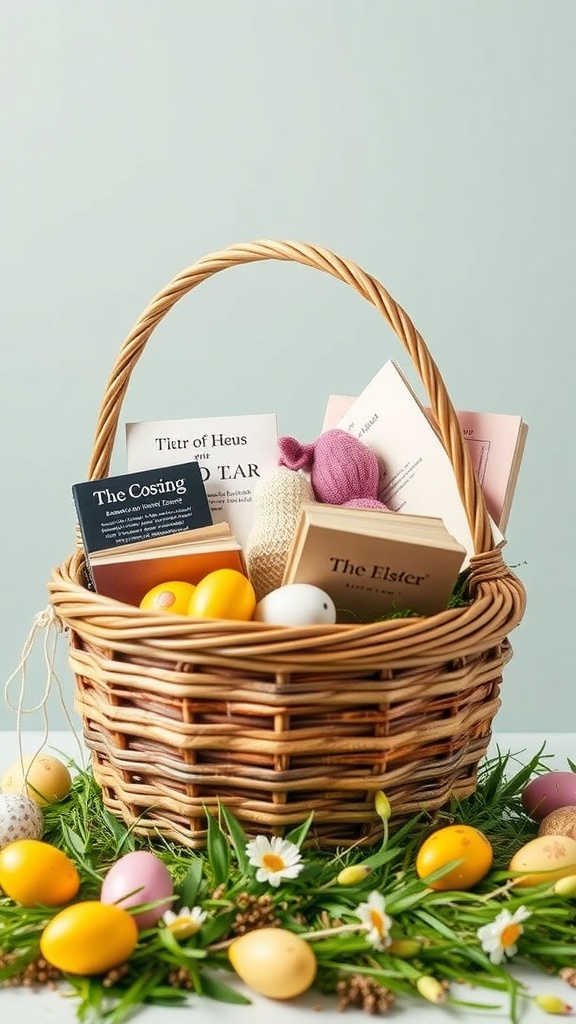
344, 270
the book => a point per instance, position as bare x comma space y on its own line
234, 452
496, 442
372, 563
132, 507
127, 572
416, 475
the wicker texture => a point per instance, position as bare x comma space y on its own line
278, 721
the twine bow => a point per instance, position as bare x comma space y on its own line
45, 622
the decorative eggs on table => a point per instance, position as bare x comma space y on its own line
89, 938
544, 860
136, 878
460, 843
561, 822
274, 962
20, 818
296, 604
33, 872
548, 792
41, 777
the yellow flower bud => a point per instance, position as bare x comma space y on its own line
353, 875
431, 989
565, 886
404, 948
382, 805
552, 1004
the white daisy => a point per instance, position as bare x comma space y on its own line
184, 922
275, 859
375, 920
499, 938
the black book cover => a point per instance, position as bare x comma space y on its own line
136, 506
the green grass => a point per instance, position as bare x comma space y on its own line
434, 933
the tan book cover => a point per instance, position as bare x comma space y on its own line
128, 572
372, 563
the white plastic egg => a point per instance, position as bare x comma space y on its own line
296, 604
20, 818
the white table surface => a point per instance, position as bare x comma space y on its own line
52, 1008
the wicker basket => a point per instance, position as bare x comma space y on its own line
276, 722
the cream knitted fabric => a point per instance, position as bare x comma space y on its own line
278, 498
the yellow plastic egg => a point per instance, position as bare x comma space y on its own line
223, 594
41, 777
173, 596
463, 843
545, 859
89, 938
274, 962
33, 872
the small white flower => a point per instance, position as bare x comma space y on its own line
275, 859
184, 922
375, 920
499, 938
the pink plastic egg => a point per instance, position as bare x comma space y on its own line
139, 877
548, 792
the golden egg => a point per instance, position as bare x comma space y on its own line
41, 777
274, 962
464, 845
89, 938
173, 596
33, 872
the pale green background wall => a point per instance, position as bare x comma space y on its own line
433, 141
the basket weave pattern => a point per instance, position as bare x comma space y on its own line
279, 721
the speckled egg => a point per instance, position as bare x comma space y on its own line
561, 822
544, 860
20, 818
296, 604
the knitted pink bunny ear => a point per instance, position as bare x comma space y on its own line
343, 471
295, 455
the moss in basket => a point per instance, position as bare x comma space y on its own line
459, 598
377, 932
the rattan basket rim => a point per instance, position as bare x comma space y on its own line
497, 595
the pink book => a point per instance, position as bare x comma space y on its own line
496, 442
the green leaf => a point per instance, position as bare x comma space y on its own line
74, 841
298, 835
216, 989
383, 856
218, 851
190, 885
238, 838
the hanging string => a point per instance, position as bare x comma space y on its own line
47, 622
